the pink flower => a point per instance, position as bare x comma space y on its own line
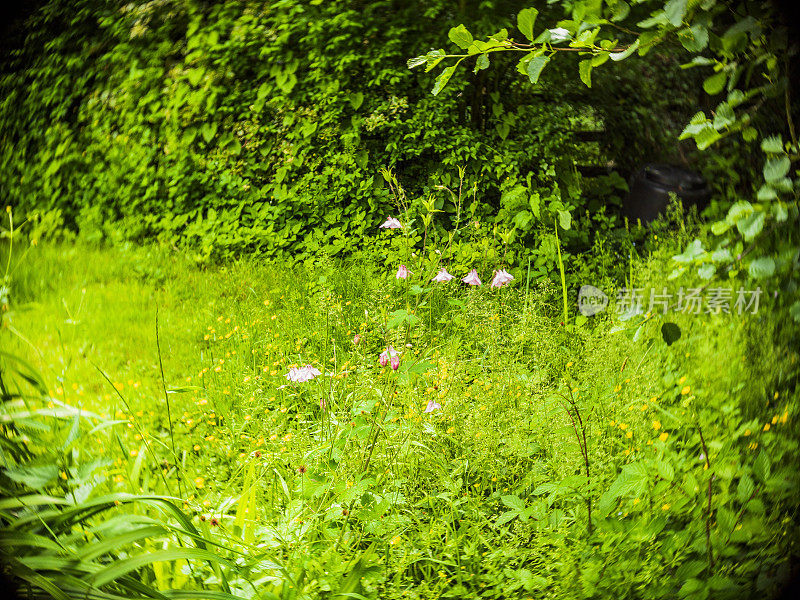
501, 278
395, 361
389, 354
472, 278
402, 272
391, 223
442, 276
302, 374
432, 406
357, 339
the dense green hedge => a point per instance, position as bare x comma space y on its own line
243, 125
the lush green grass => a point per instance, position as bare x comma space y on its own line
689, 447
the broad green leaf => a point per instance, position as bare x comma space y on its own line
675, 11
526, 20
460, 37
776, 168
772, 144
745, 488
535, 67
692, 252
35, 477
720, 227
617, 56
761, 467
695, 39
762, 267
620, 10
434, 57
481, 63
506, 517
780, 212
751, 225
585, 72
749, 134
707, 271
723, 116
738, 211
721, 256
417, 61
766, 193
442, 79
714, 84
356, 100
564, 219
513, 502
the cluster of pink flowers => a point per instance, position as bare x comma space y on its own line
302, 374
501, 277
390, 356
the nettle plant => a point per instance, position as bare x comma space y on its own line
746, 52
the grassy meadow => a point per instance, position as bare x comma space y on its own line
165, 453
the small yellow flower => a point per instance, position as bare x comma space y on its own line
774, 419
775, 397
199, 483
747, 432
682, 379
617, 388
766, 426
395, 540
686, 389
784, 416
629, 435
663, 437
665, 507
636, 501
656, 425
623, 426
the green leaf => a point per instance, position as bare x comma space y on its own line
766, 193
620, 10
762, 467
675, 11
780, 212
776, 168
482, 63
506, 517
208, 130
564, 219
503, 129
417, 61
738, 211
723, 116
749, 134
460, 37
525, 21
356, 100
714, 84
772, 144
434, 57
707, 271
513, 502
585, 71
442, 79
745, 488
35, 477
751, 225
762, 267
694, 39
617, 56
535, 67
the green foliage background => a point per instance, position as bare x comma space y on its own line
249, 126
